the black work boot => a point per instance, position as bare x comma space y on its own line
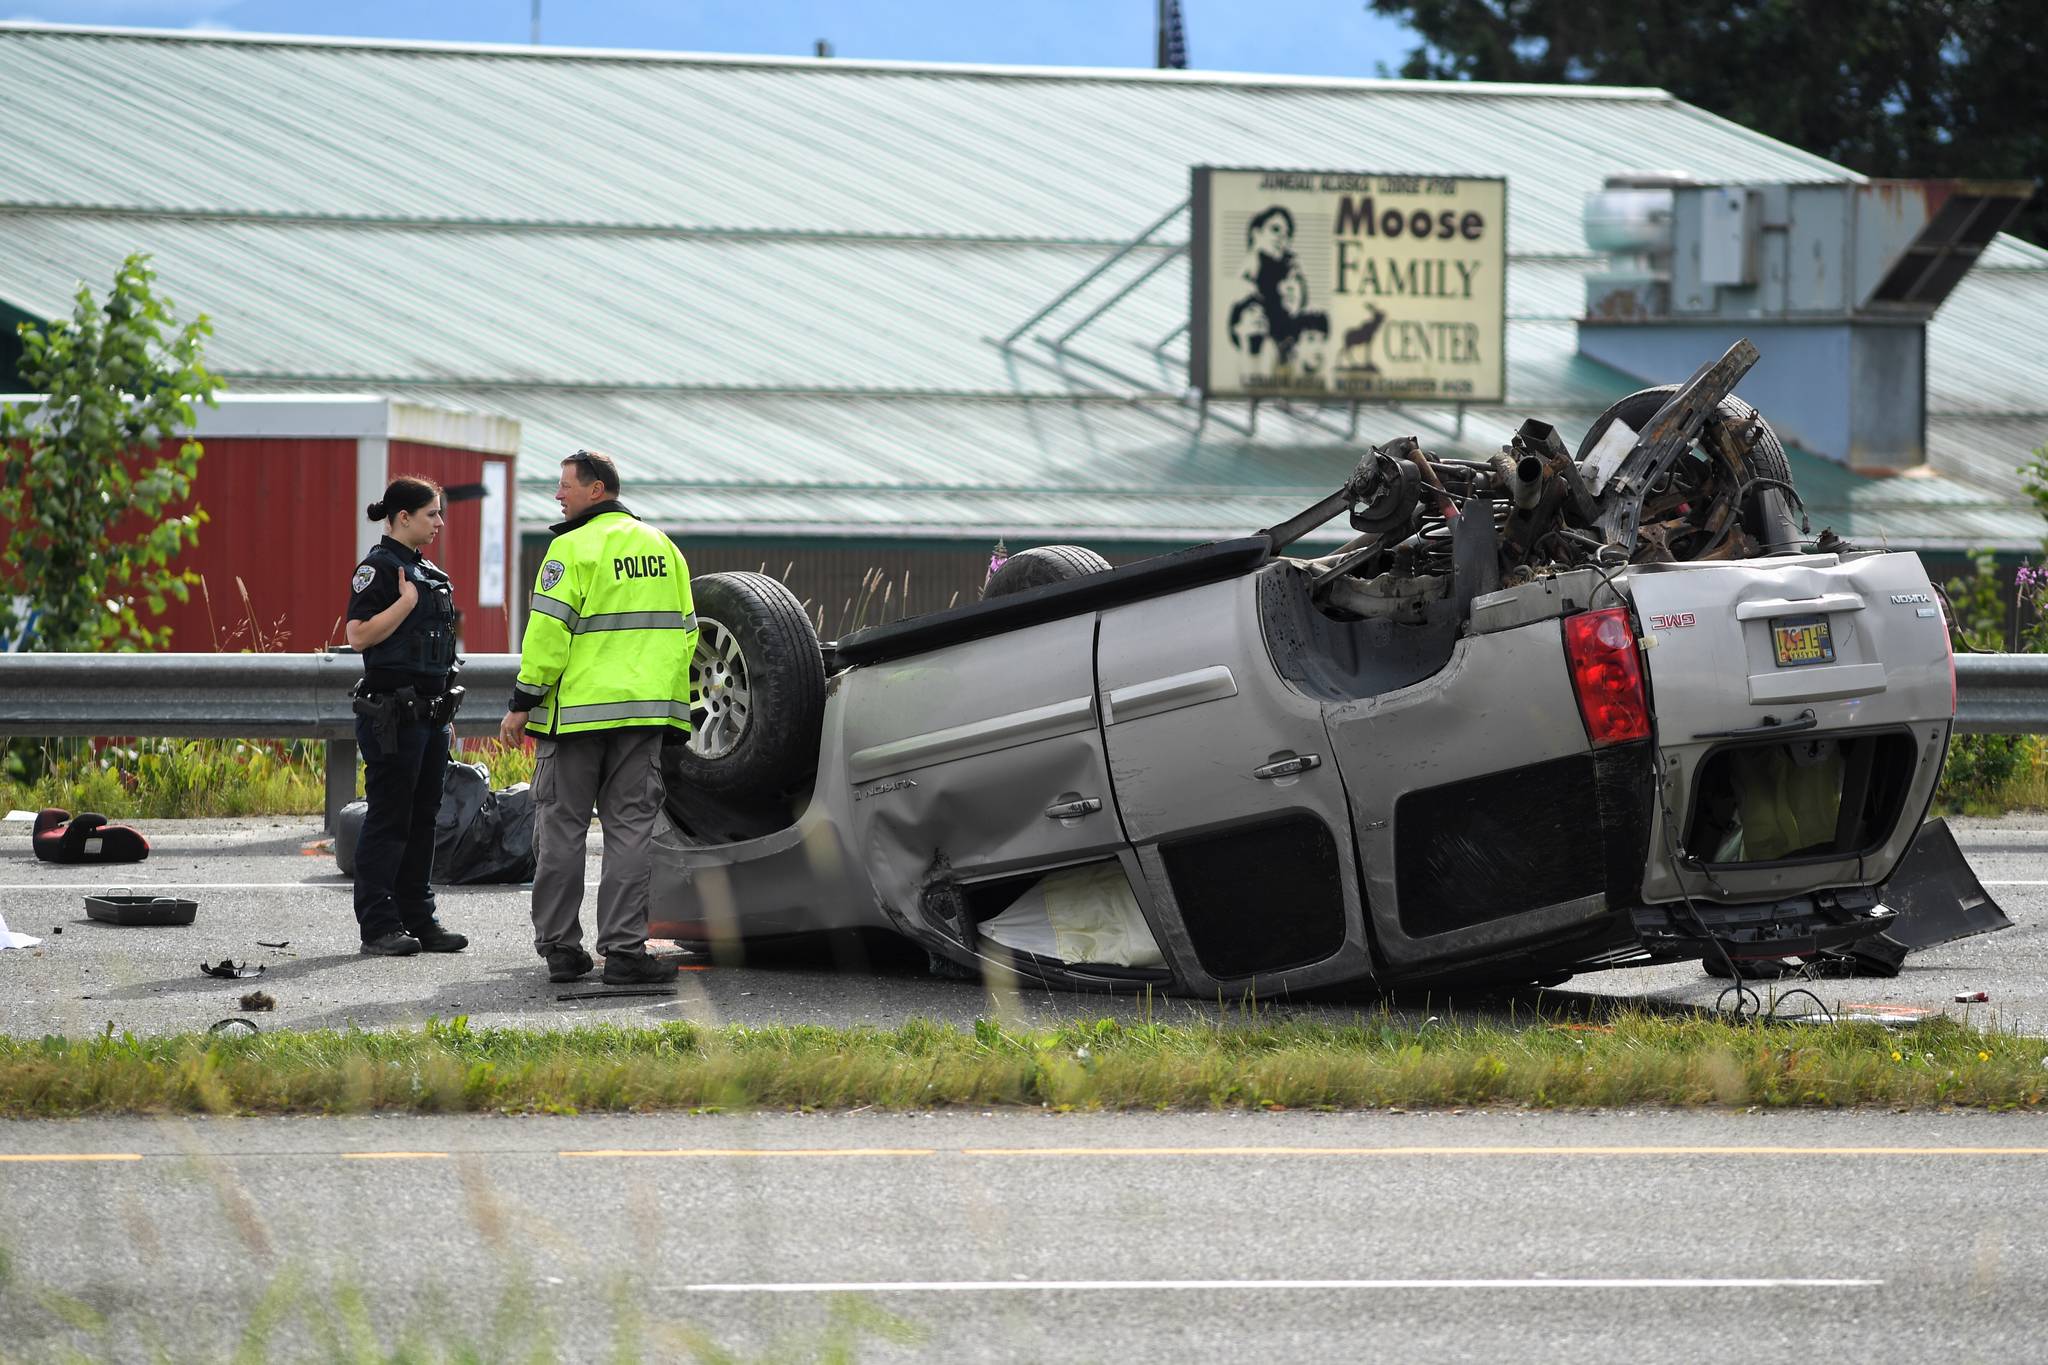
636, 969
436, 939
566, 964
397, 943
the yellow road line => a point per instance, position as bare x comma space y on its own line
700, 1152
27, 1157
394, 1156
1477, 1150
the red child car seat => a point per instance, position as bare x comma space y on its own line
87, 839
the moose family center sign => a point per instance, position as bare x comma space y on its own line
1348, 286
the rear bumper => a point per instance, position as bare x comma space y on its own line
1822, 921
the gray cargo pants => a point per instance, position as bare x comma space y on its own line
619, 772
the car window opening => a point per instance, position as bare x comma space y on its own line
1799, 799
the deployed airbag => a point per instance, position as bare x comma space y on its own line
1078, 914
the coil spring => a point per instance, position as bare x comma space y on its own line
1433, 539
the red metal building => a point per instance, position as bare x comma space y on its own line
284, 483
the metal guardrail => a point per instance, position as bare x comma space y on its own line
2002, 694
305, 696
222, 696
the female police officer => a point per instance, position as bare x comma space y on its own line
401, 618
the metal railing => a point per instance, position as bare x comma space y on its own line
2002, 694
222, 696
305, 696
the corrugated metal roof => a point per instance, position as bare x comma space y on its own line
704, 262
445, 305
432, 132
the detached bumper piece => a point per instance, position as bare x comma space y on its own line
1932, 898
1827, 921
1938, 900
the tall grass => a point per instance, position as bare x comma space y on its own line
449, 1067
166, 779
1994, 774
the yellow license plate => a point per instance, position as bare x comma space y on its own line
1801, 640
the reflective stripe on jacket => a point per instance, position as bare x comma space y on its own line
610, 630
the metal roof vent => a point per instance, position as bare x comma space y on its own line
1835, 282
1966, 215
1880, 248
1630, 220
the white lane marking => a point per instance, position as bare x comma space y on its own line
2014, 883
1048, 1286
699, 1152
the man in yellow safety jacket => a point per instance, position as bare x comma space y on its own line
604, 673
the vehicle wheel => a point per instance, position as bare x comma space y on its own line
1766, 517
1040, 567
757, 684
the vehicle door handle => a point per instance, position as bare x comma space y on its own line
1067, 810
1288, 767
1770, 725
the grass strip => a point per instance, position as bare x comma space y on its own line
167, 779
450, 1067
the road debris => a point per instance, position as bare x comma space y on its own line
609, 995
259, 1000
265, 943
131, 909
220, 1025
88, 838
13, 940
1972, 997
227, 969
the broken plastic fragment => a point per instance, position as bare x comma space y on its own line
229, 970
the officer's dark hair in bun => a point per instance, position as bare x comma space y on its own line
406, 493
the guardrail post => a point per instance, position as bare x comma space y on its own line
341, 779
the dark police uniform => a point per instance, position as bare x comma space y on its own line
403, 762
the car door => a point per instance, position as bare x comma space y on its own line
978, 761
1225, 786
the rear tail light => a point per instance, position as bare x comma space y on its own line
1607, 675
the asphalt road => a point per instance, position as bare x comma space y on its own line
1633, 1237
268, 881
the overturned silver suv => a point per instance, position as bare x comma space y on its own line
1546, 713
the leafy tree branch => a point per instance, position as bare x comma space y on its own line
86, 473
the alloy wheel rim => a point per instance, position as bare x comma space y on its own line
721, 699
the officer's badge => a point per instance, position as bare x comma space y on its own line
550, 574
363, 577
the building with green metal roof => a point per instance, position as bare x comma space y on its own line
780, 289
